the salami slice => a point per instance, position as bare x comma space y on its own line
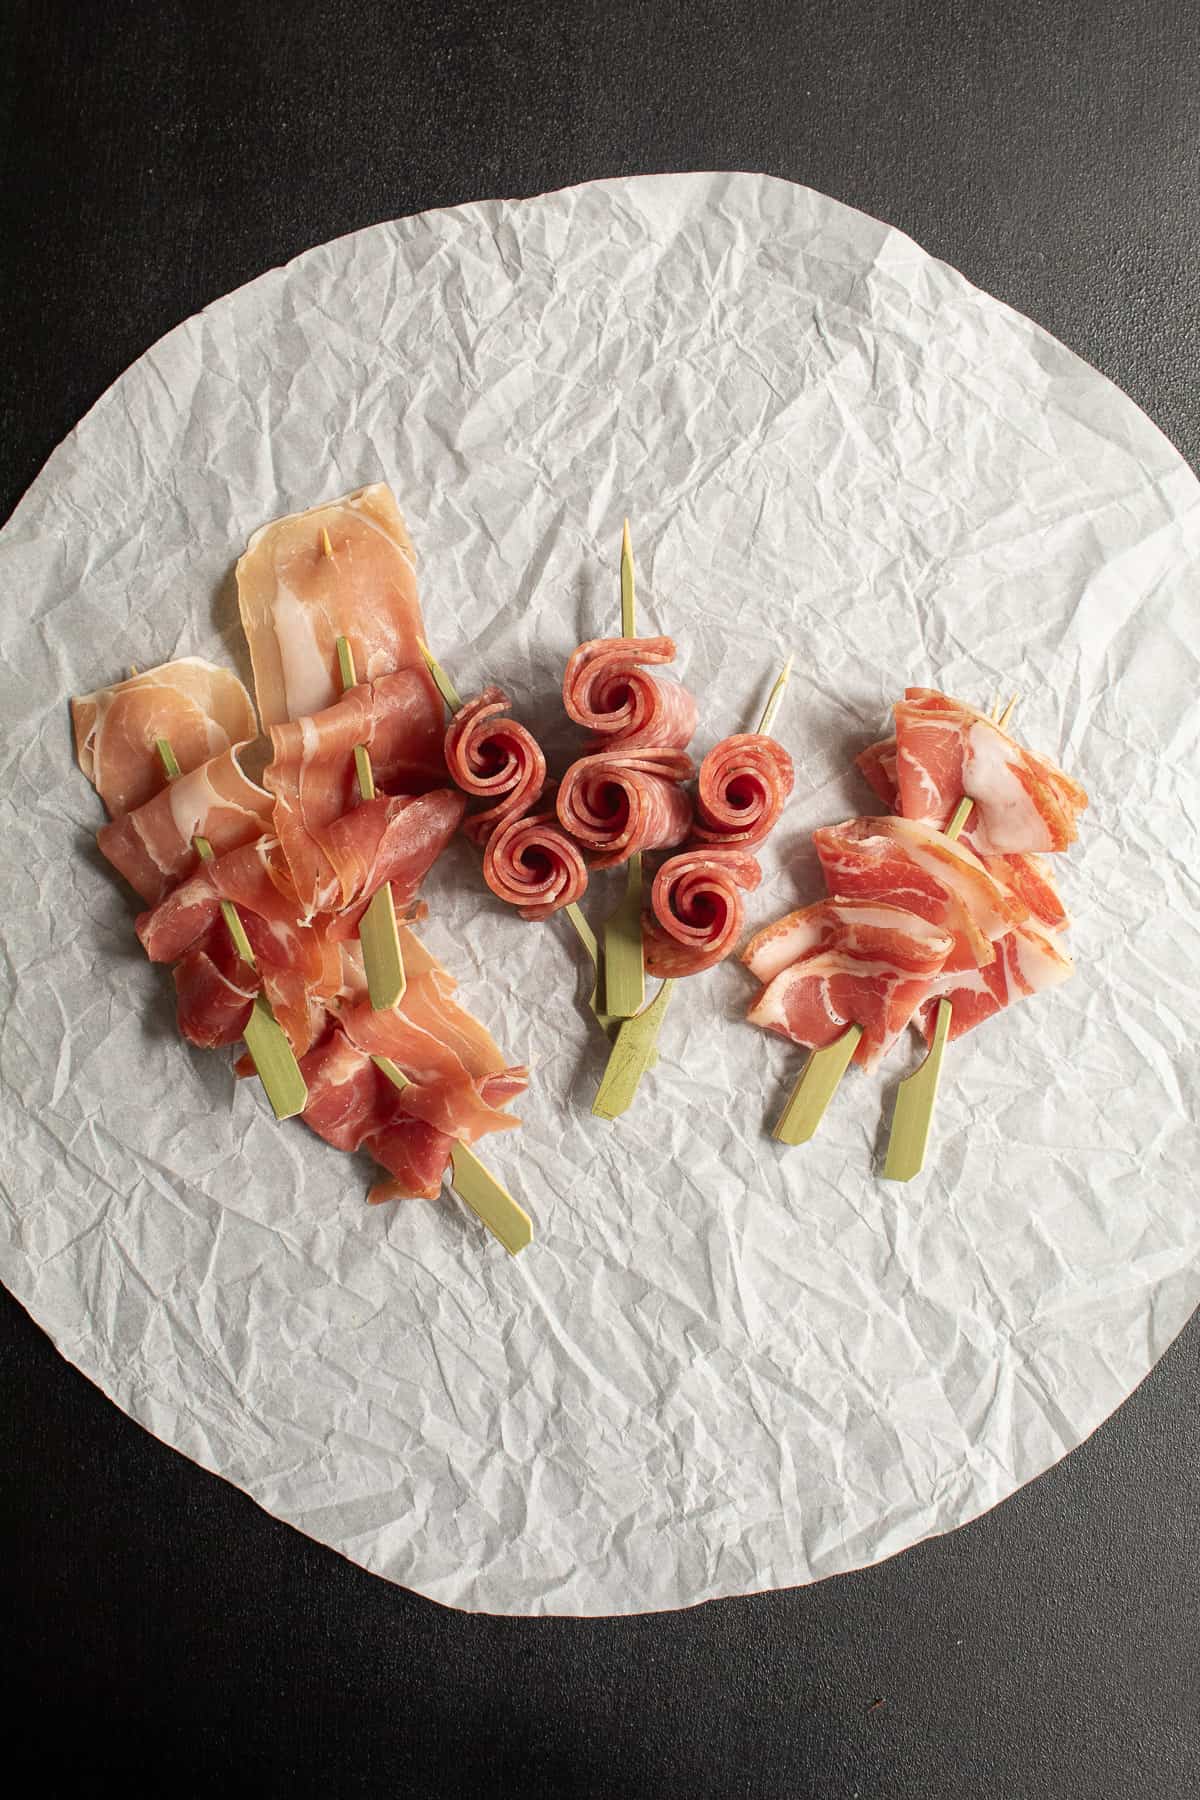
532, 864
622, 801
696, 908
744, 785
496, 759
609, 689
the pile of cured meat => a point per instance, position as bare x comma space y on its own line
627, 793
913, 915
301, 854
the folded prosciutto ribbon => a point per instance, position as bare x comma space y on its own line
697, 913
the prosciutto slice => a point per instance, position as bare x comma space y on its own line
743, 787
609, 689
899, 862
215, 991
944, 750
842, 962
296, 600
622, 801
199, 707
353, 1106
493, 758
340, 850
152, 845
533, 865
696, 910
298, 966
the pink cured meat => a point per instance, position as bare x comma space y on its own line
621, 801
532, 864
493, 758
1021, 871
743, 787
842, 962
152, 845
353, 1106
200, 708
609, 689
338, 849
899, 862
215, 991
295, 601
298, 966
696, 911
945, 750
1027, 961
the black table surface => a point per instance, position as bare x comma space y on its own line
156, 1626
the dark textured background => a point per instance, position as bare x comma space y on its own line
153, 1624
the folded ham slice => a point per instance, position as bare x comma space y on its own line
696, 912
899, 862
353, 1106
532, 864
340, 850
296, 600
609, 689
743, 787
152, 845
493, 758
622, 801
845, 962
945, 750
200, 708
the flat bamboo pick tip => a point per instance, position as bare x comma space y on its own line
908, 1138
630, 1056
326, 546
441, 680
818, 1083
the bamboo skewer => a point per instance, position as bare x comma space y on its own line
273, 1058
624, 968
382, 956
474, 1184
916, 1096
823, 1071
635, 1047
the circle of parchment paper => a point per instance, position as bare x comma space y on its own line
722, 1366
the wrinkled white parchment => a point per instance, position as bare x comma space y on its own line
722, 1366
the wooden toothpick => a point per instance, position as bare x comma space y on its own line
377, 933
273, 1058
487, 1198
916, 1096
635, 1047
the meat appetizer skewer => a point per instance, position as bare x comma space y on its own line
377, 933
823, 1071
635, 1047
273, 1058
916, 1097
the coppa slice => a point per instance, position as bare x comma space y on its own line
946, 750
344, 569
152, 846
899, 862
200, 708
839, 963
1027, 961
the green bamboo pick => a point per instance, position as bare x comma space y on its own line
476, 1185
624, 961
273, 1058
635, 1048
823, 1070
382, 956
916, 1096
